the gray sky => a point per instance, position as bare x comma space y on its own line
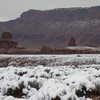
11, 9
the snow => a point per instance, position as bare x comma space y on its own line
84, 24
50, 81
82, 48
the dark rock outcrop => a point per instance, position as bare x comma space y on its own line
72, 41
6, 41
9, 46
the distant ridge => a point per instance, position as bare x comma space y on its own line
53, 28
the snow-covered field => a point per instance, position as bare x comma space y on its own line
50, 77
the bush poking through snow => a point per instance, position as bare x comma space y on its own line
56, 98
71, 98
34, 84
88, 93
20, 73
16, 92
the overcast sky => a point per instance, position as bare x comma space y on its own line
11, 9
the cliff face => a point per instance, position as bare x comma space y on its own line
54, 28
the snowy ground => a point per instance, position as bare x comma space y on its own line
49, 77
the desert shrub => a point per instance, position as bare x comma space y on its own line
21, 73
56, 98
81, 92
96, 91
72, 98
91, 61
76, 63
47, 70
34, 84
88, 93
16, 92
78, 55
4, 62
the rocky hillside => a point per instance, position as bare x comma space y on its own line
36, 28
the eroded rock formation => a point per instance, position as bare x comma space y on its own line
6, 41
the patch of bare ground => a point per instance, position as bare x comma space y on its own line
95, 97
